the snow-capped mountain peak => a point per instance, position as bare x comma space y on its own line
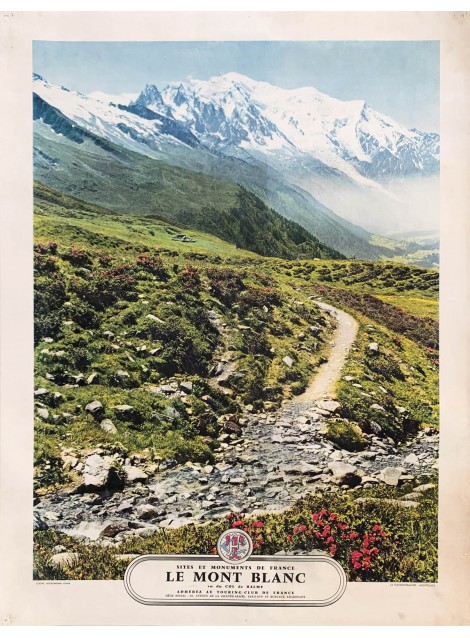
292, 125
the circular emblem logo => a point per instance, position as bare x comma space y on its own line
234, 546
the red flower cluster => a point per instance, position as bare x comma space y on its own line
328, 530
369, 548
44, 262
253, 528
104, 260
190, 279
77, 257
153, 265
43, 249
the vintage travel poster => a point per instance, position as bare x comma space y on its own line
234, 349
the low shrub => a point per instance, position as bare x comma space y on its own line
345, 434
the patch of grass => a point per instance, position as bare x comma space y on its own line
347, 435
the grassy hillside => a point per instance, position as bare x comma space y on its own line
115, 317
111, 176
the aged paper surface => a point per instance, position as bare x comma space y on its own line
24, 601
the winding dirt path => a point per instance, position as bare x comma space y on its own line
323, 385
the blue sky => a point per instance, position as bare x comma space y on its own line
400, 79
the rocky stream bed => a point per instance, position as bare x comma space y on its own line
273, 460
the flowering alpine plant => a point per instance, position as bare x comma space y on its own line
360, 550
153, 265
253, 528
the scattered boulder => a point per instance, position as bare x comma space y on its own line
154, 318
113, 529
424, 488
376, 406
373, 347
288, 361
344, 473
391, 501
125, 411
98, 474
329, 406
146, 512
108, 426
95, 408
59, 549
171, 412
39, 525
64, 559
93, 378
412, 459
232, 427
43, 413
134, 474
186, 387
391, 475
166, 389
374, 427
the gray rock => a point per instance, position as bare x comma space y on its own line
146, 512
288, 361
237, 480
124, 410
373, 347
337, 455
113, 529
329, 406
391, 475
171, 412
43, 413
369, 479
167, 389
343, 474
59, 549
186, 387
39, 525
134, 474
218, 369
93, 378
64, 559
412, 459
95, 408
413, 496
98, 474
424, 488
391, 501
376, 406
375, 427
108, 426
154, 318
